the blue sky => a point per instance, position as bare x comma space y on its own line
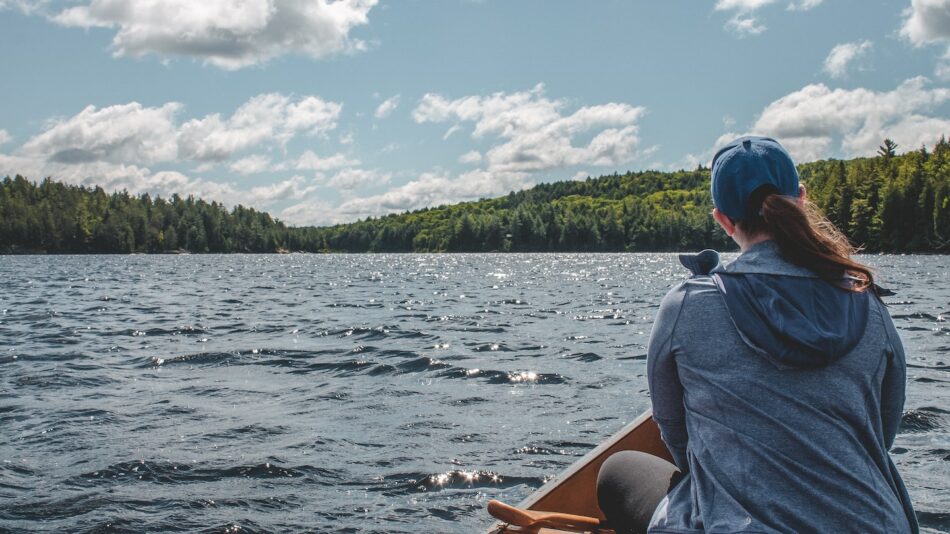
322, 112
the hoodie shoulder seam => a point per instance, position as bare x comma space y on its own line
683, 288
686, 289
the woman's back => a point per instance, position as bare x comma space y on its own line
788, 439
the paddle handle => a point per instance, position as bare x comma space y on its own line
537, 519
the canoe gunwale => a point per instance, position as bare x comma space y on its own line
574, 491
584, 461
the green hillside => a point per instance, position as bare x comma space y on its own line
891, 203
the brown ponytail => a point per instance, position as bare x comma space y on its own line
806, 238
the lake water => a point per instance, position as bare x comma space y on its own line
376, 393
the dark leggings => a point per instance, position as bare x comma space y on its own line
630, 486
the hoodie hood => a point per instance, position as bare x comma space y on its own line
786, 313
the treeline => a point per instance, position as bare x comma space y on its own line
887, 203
891, 203
58, 218
641, 211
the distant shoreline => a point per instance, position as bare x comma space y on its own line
889, 203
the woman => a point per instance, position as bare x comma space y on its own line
777, 380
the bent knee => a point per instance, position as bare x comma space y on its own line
620, 471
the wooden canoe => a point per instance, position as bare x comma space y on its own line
575, 490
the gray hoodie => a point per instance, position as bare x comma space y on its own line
779, 394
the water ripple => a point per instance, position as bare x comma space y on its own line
353, 393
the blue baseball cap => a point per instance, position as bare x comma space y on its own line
746, 164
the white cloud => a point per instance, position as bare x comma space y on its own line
528, 133
804, 149
448, 133
204, 166
386, 107
348, 179
27, 7
271, 117
745, 25
135, 134
842, 55
744, 21
817, 122
224, 33
137, 180
472, 156
910, 132
741, 5
927, 21
310, 212
113, 176
804, 5
126, 133
942, 69
251, 165
11, 165
310, 161
390, 147
433, 189
294, 188
534, 134
126, 147
5, 137
310, 114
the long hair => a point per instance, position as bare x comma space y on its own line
806, 238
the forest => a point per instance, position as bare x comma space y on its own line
887, 203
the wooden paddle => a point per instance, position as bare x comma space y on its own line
531, 519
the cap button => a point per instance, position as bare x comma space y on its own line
747, 144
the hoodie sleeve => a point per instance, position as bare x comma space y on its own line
666, 391
894, 382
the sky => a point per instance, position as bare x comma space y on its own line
323, 112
